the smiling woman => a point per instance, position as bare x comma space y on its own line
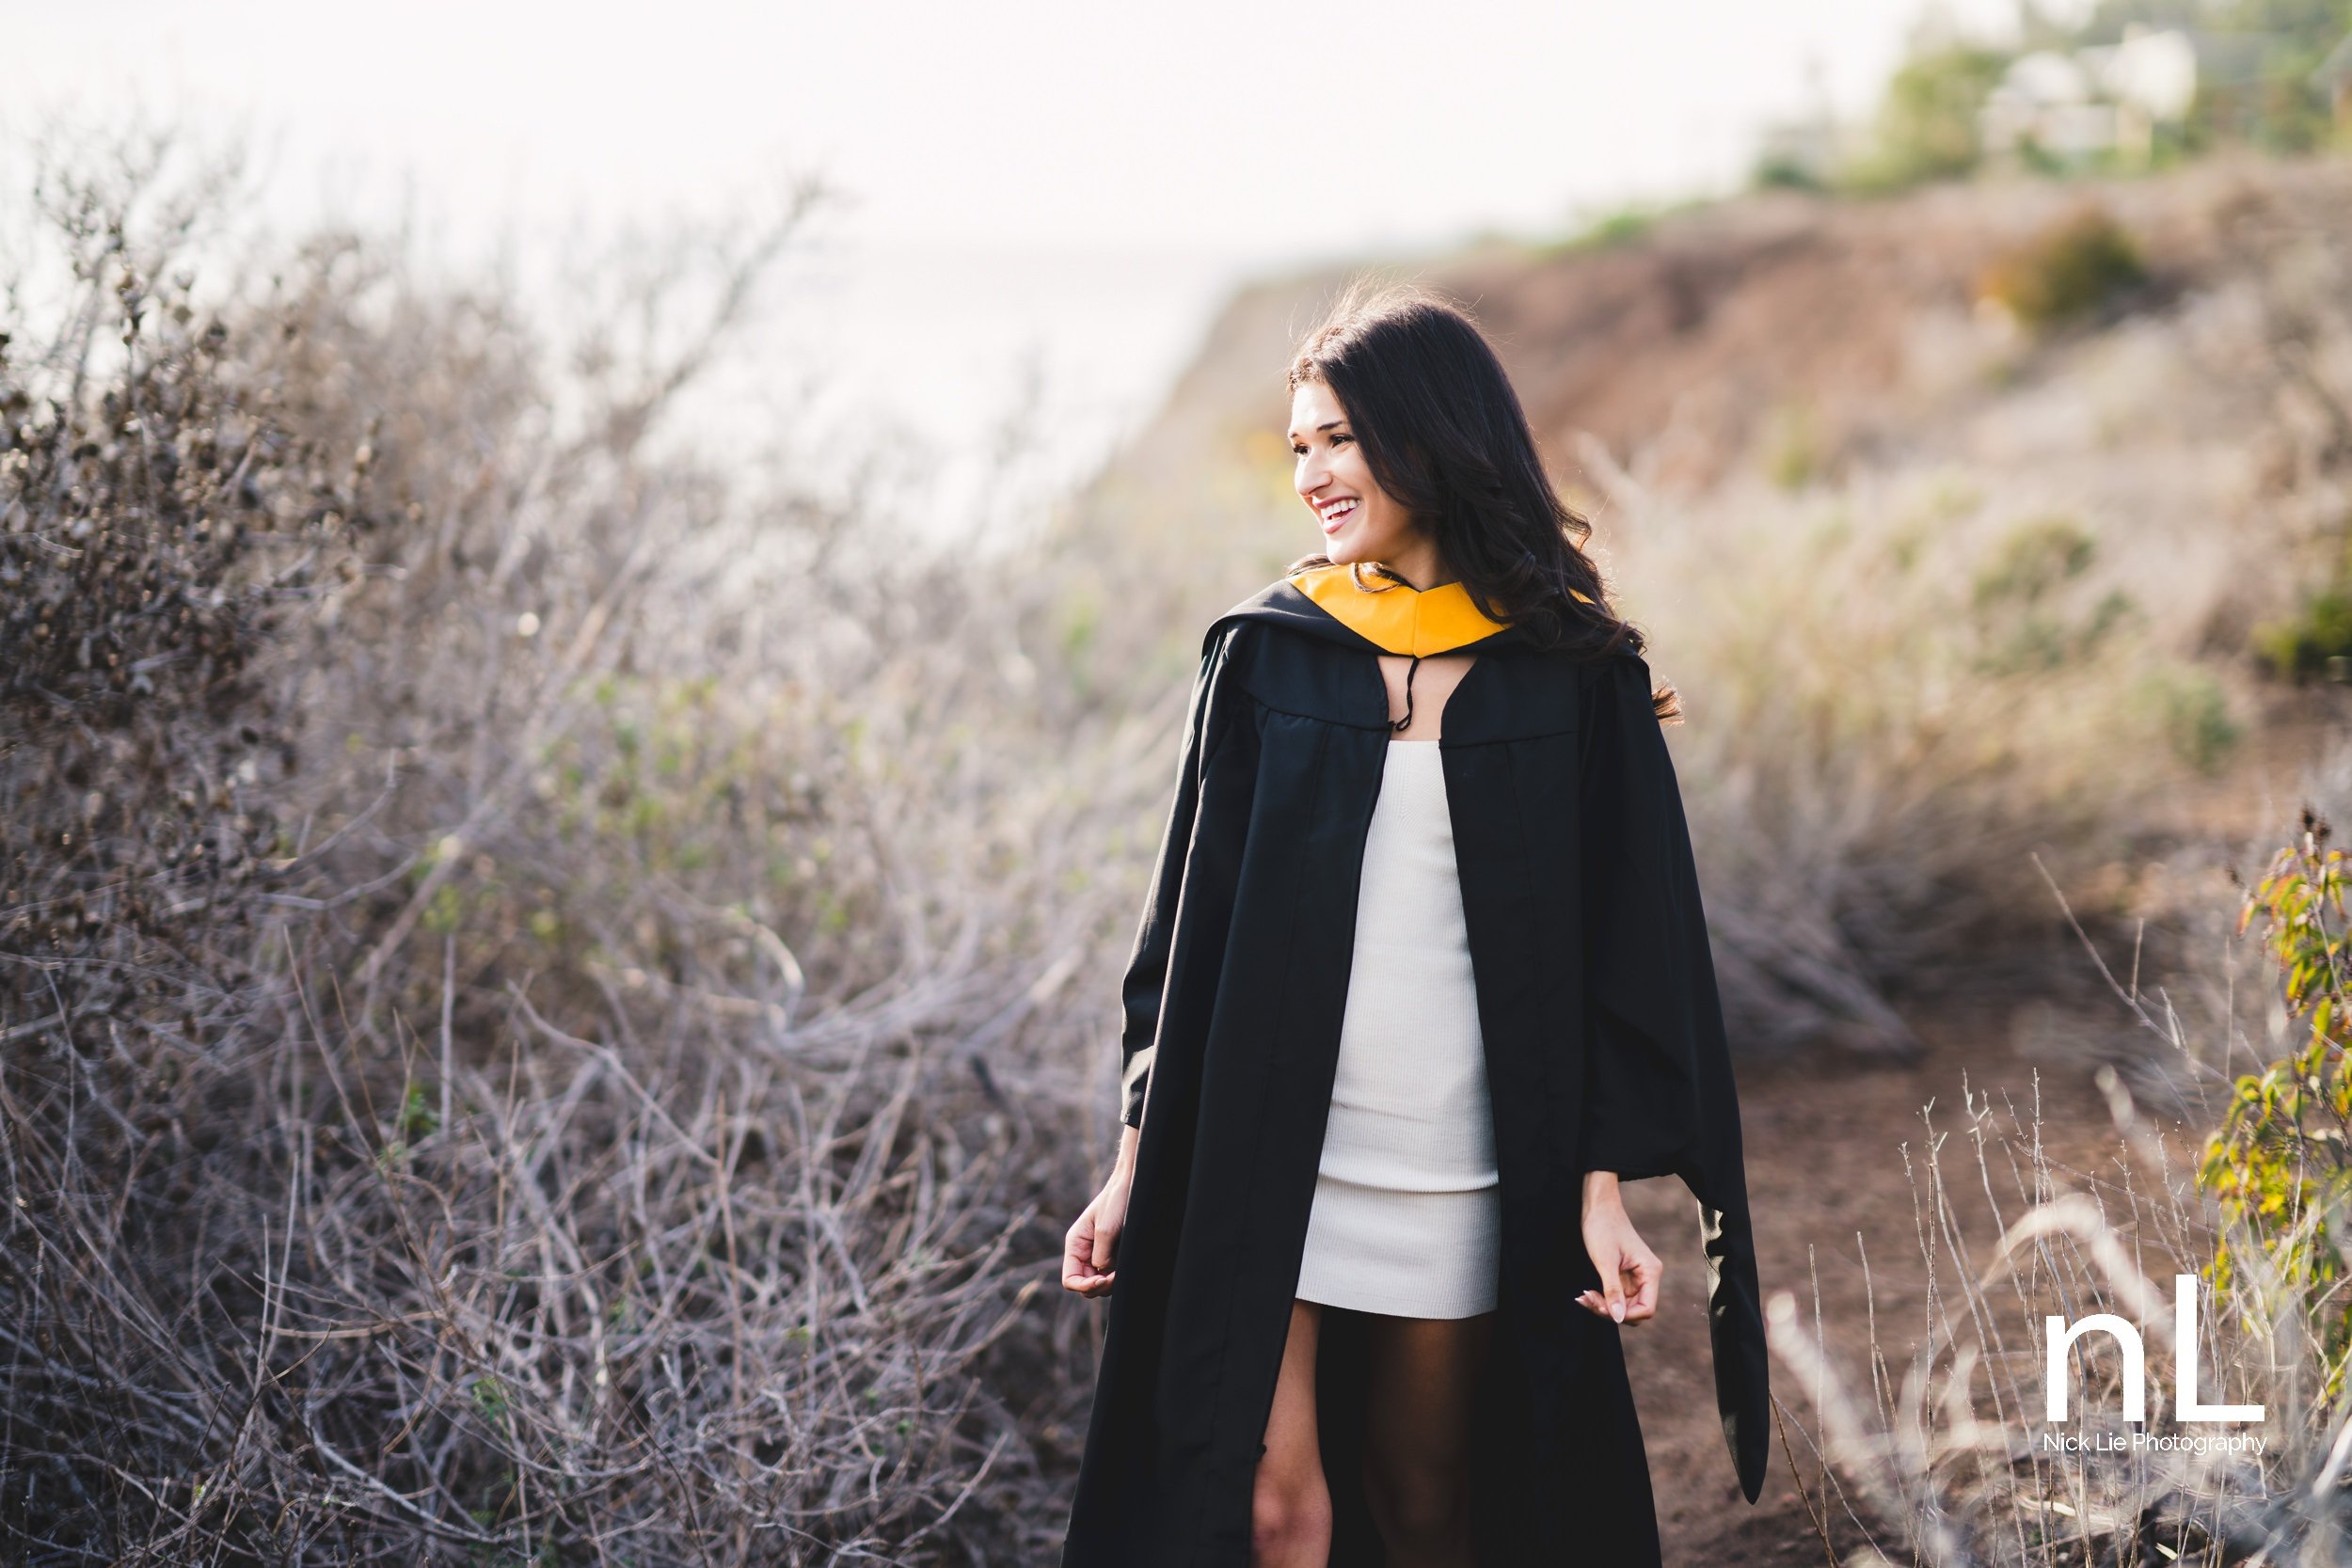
1421, 980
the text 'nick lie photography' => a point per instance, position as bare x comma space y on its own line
2187, 1406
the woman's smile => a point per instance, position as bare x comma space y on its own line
1335, 510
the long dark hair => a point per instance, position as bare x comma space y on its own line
1444, 433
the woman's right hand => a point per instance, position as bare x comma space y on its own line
1091, 1246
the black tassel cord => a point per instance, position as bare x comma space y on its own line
1410, 671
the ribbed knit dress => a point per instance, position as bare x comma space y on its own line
1408, 1212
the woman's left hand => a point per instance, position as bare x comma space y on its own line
1628, 1269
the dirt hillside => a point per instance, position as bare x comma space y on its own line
1797, 336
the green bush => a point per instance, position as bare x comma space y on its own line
1606, 230
1778, 171
2193, 713
2279, 1164
2033, 558
2070, 269
2022, 623
2300, 645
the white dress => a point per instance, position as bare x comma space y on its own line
1408, 1212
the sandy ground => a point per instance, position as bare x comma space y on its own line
1824, 1138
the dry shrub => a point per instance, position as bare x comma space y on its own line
1945, 1456
154, 527
547, 1043
1903, 694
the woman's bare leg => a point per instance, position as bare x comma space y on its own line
1418, 1429
1290, 1506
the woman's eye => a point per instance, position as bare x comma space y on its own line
1337, 437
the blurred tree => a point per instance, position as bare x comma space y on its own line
1927, 119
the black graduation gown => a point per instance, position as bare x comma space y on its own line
1605, 1051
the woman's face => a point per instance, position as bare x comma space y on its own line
1359, 520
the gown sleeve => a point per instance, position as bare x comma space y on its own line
1658, 1092
1656, 1050
1141, 988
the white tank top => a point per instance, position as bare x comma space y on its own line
1410, 1107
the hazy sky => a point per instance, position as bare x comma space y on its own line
1101, 163
1214, 124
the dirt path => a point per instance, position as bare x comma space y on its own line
1824, 1138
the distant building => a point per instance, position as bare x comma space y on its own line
2080, 104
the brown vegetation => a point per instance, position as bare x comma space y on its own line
528, 971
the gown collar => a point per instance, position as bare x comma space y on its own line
1397, 616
